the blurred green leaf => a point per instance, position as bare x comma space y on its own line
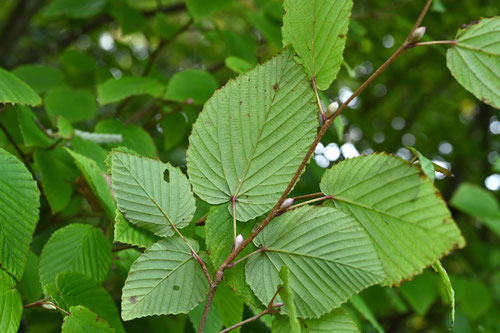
75, 8
191, 86
40, 77
201, 8
116, 90
73, 105
15, 91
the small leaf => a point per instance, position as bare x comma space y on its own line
98, 184
318, 32
15, 91
64, 128
127, 233
11, 308
30, 283
78, 248
425, 164
33, 135
251, 137
330, 258
286, 294
421, 292
146, 199
237, 65
475, 58
478, 202
75, 8
74, 105
91, 150
74, 289
116, 90
82, 320
337, 321
398, 208
438, 267
165, 279
19, 202
191, 86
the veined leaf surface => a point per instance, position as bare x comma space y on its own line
251, 137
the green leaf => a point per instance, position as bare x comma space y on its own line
40, 77
73, 105
7, 281
134, 136
127, 233
359, 304
214, 320
11, 308
146, 199
19, 202
58, 173
78, 248
421, 292
202, 8
286, 294
77, 289
75, 8
116, 90
404, 214
329, 255
30, 283
97, 182
237, 65
64, 128
438, 267
475, 58
478, 202
251, 137
318, 32
165, 279
219, 240
229, 305
33, 135
82, 320
473, 296
426, 165
91, 150
15, 91
337, 321
269, 28
191, 86
174, 128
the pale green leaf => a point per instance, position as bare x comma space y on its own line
16, 91
58, 173
127, 233
475, 59
317, 30
438, 267
78, 248
165, 279
64, 128
404, 214
329, 255
82, 320
286, 294
421, 292
478, 202
337, 321
77, 289
40, 77
74, 105
116, 90
19, 202
191, 86
30, 283
251, 137
146, 199
237, 64
11, 308
95, 178
426, 165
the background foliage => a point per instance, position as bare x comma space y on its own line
170, 57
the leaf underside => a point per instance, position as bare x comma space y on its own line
399, 207
251, 137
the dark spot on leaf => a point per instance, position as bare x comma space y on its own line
176, 287
241, 102
166, 175
133, 299
276, 86
248, 115
341, 36
444, 221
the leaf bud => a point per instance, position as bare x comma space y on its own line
286, 204
417, 34
238, 241
332, 108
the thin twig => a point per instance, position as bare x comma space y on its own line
201, 221
231, 265
233, 201
434, 42
274, 212
43, 302
326, 197
122, 247
307, 196
318, 100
